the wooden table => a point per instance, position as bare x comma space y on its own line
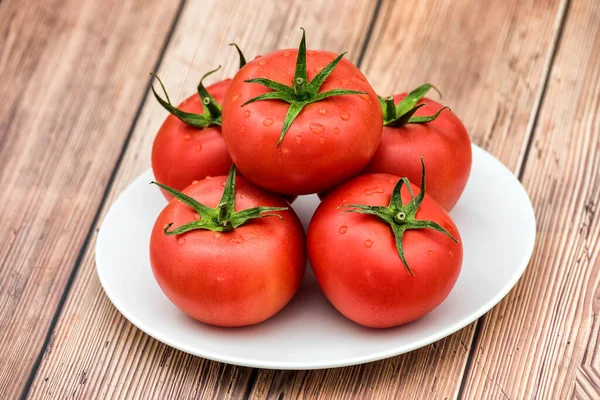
77, 123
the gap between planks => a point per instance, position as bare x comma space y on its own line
109, 184
522, 163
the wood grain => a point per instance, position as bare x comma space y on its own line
95, 352
490, 60
73, 74
542, 340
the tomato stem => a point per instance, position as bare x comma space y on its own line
212, 110
222, 218
302, 92
400, 217
403, 112
240, 54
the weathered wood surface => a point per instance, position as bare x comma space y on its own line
541, 341
527, 89
73, 76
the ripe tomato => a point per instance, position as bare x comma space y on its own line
362, 241
303, 138
441, 139
186, 151
228, 268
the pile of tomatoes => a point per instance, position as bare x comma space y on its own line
228, 249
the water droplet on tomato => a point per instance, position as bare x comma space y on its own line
268, 121
198, 147
208, 177
316, 128
243, 129
241, 196
187, 137
450, 253
318, 69
235, 98
218, 235
194, 182
375, 190
431, 253
368, 243
322, 111
310, 53
246, 114
298, 139
345, 81
359, 77
365, 97
393, 181
343, 229
322, 140
448, 227
344, 116
286, 53
181, 241
197, 217
261, 62
336, 130
345, 201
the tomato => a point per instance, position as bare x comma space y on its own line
356, 242
228, 268
443, 141
306, 137
187, 149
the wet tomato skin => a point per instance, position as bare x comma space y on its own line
444, 144
182, 153
330, 140
235, 278
356, 263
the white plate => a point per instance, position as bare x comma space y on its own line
495, 219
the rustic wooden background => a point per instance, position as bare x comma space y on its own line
77, 123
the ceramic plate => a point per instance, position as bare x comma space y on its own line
495, 219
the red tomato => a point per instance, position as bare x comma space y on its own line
183, 153
444, 143
229, 278
329, 141
357, 263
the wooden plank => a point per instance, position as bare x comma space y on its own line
542, 340
74, 74
489, 59
95, 352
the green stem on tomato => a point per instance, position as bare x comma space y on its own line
398, 216
212, 110
302, 91
222, 218
403, 112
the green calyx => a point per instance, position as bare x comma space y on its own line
240, 54
400, 217
212, 109
403, 112
302, 91
222, 218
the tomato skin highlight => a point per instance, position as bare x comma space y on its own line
444, 144
182, 153
235, 278
356, 263
330, 140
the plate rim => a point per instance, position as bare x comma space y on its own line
346, 361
